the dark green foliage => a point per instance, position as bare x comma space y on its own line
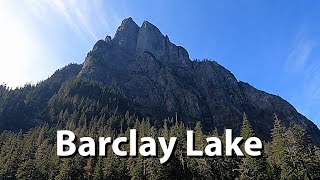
33, 155
250, 167
92, 109
291, 154
26, 107
57, 99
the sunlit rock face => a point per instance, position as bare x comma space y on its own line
161, 80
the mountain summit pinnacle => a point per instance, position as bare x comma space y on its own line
137, 40
126, 35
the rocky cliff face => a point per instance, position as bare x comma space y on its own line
160, 79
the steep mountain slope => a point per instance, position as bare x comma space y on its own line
26, 107
161, 80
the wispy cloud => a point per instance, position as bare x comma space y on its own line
309, 95
303, 64
312, 83
85, 18
77, 14
298, 57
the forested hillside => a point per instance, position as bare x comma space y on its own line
33, 155
26, 107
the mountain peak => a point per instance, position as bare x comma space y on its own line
148, 25
148, 38
152, 40
127, 34
127, 23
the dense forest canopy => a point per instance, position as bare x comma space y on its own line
32, 155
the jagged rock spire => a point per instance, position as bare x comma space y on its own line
148, 37
127, 34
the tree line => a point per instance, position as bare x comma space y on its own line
32, 155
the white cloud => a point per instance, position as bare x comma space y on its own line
76, 14
298, 57
85, 18
303, 64
312, 83
310, 93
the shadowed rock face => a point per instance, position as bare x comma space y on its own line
160, 79
126, 35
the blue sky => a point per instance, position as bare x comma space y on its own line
273, 45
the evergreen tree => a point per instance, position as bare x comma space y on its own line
249, 167
98, 169
299, 160
277, 148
